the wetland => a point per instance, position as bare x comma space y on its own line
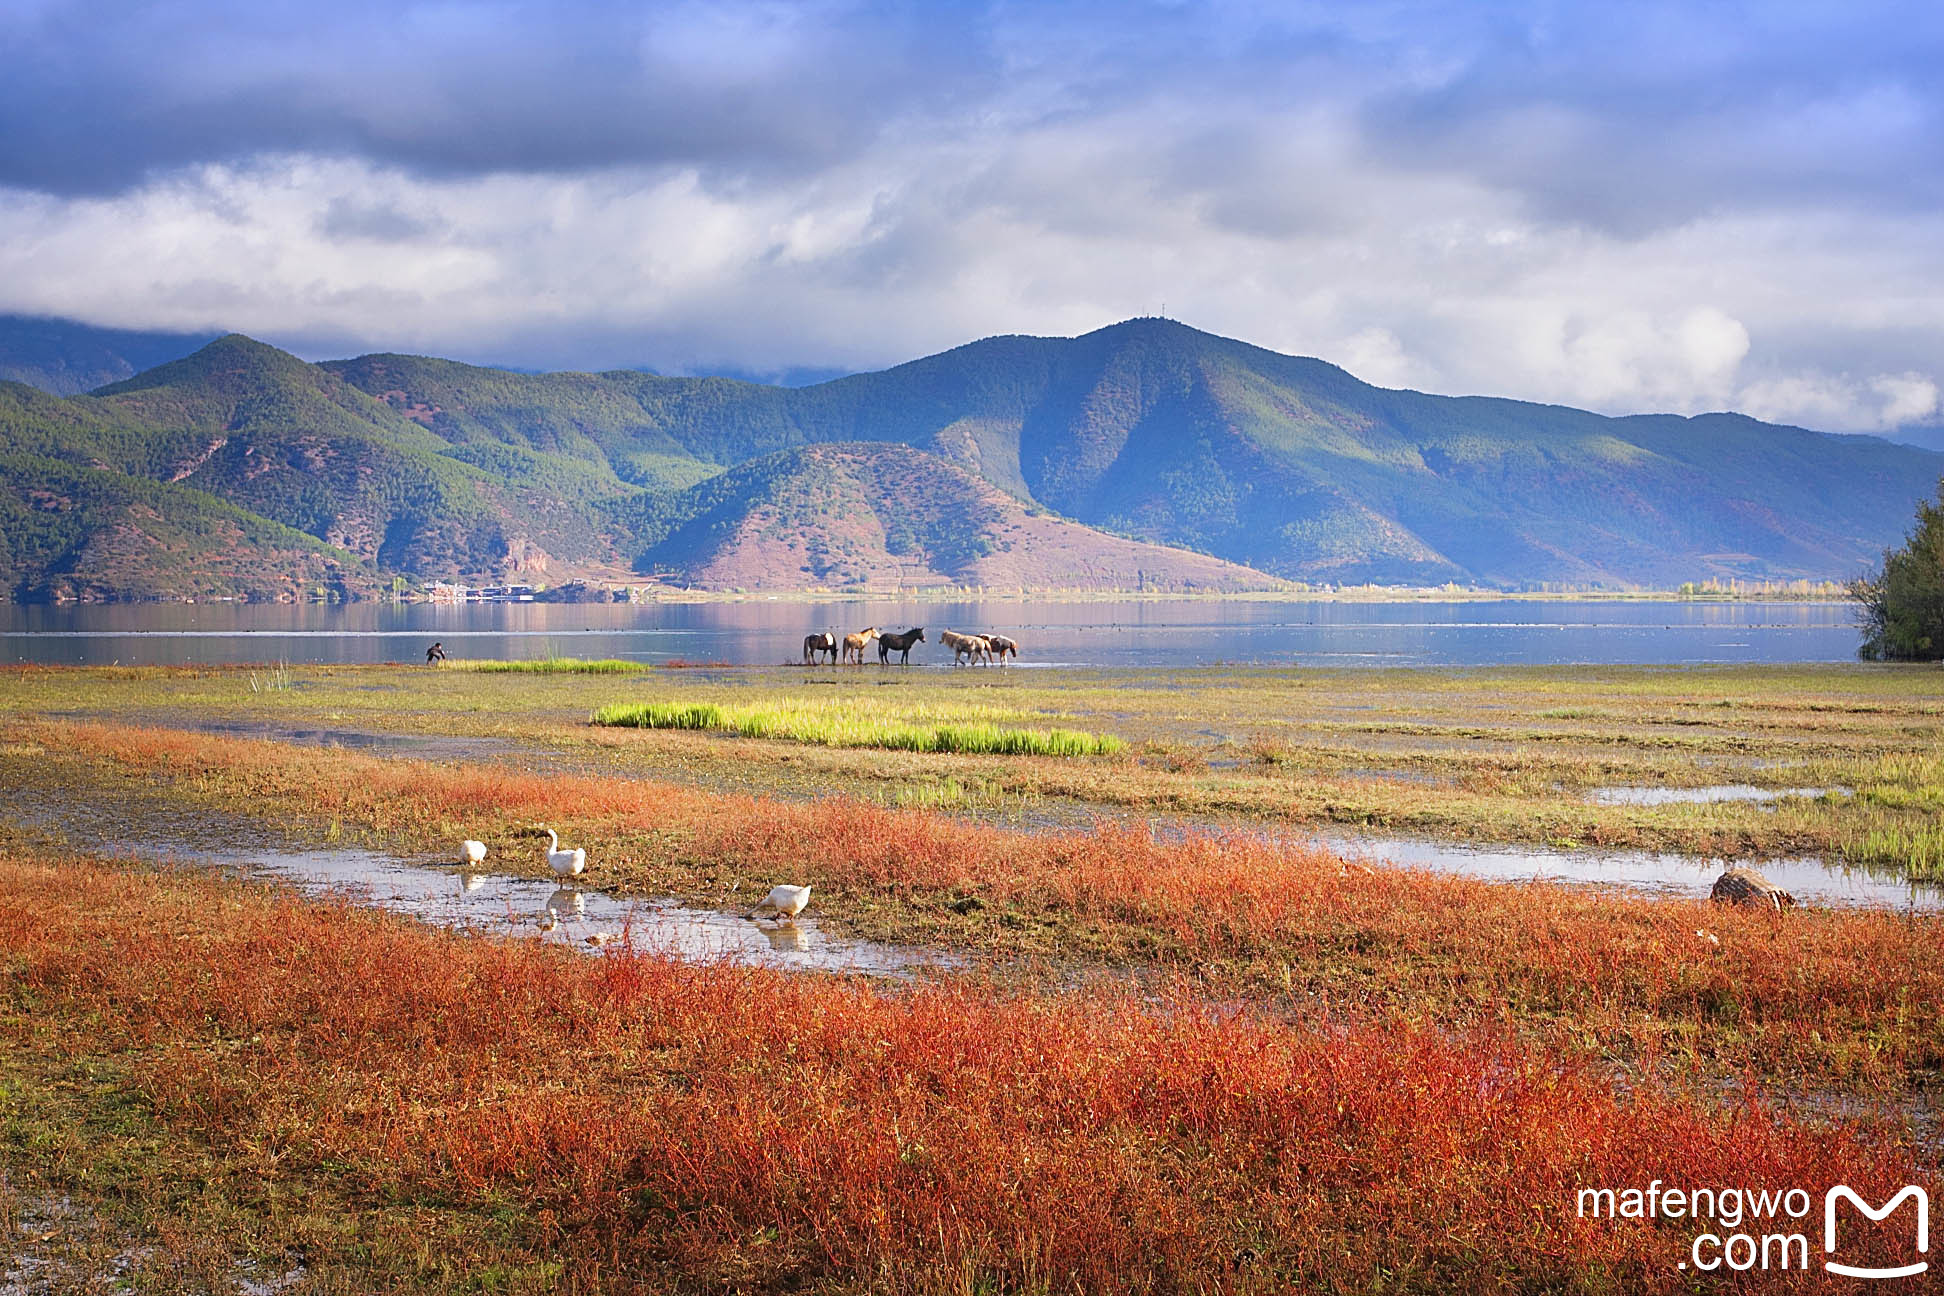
252, 998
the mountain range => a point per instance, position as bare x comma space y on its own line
1144, 455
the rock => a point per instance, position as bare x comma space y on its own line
1745, 886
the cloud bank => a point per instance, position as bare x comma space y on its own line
1666, 207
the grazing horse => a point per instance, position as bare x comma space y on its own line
816, 645
899, 643
854, 644
965, 645
1003, 647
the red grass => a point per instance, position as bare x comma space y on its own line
1841, 996
663, 1116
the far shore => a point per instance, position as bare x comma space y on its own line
1349, 594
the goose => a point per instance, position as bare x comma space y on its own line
471, 852
787, 901
564, 863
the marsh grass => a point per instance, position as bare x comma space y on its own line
549, 666
271, 681
1917, 851
1467, 755
1825, 994
954, 794
852, 724
216, 1066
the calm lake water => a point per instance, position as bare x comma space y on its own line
1506, 632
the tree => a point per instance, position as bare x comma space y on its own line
1903, 605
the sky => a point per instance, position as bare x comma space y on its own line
1648, 206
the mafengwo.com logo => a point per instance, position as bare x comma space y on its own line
1744, 1229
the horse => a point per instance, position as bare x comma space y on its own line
1003, 647
953, 639
854, 644
965, 645
899, 643
817, 644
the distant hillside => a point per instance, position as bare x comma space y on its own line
295, 443
1145, 454
1285, 464
76, 533
599, 420
66, 358
869, 515
1929, 437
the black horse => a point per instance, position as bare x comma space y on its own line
901, 643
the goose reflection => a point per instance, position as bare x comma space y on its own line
470, 882
568, 902
786, 938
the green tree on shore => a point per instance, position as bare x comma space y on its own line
1903, 605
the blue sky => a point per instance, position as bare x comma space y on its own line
1625, 207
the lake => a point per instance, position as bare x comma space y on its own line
1103, 633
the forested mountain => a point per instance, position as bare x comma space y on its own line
871, 514
1014, 461
1290, 465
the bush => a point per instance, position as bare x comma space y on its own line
1903, 605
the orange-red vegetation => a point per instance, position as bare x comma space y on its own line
1827, 997
654, 1121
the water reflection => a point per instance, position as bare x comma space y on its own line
1809, 879
786, 938
568, 916
1105, 633
1652, 796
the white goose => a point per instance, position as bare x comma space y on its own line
787, 901
564, 863
471, 852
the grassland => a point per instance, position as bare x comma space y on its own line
1504, 755
958, 730
1207, 1063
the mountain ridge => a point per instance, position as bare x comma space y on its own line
1146, 432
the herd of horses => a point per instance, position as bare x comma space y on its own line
967, 649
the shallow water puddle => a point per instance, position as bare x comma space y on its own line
562, 915
1810, 880
1652, 796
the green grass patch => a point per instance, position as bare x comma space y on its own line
665, 715
829, 726
1916, 849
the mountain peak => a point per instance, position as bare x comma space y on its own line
230, 360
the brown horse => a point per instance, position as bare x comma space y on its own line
899, 643
854, 644
1003, 647
816, 645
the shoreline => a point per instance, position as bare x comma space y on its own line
1370, 594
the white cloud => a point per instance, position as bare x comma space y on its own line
1907, 398
1050, 206
1843, 404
